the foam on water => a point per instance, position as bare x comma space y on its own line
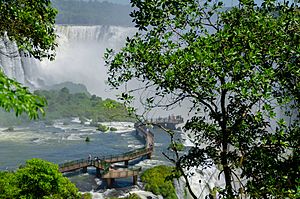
76, 120
24, 135
158, 144
121, 127
134, 146
186, 140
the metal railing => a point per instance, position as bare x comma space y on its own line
103, 162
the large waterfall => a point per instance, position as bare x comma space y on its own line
78, 58
15, 65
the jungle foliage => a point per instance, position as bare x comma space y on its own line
239, 68
156, 181
78, 102
63, 104
37, 179
30, 25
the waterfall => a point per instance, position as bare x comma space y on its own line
15, 65
78, 58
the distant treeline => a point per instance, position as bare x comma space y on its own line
66, 100
64, 104
92, 13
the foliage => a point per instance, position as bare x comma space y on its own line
92, 13
176, 146
113, 129
8, 188
239, 68
131, 196
62, 103
17, 98
72, 87
87, 139
87, 196
37, 179
102, 128
30, 25
157, 182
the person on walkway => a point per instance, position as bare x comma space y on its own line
90, 158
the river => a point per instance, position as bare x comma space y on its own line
64, 140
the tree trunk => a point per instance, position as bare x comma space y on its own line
227, 173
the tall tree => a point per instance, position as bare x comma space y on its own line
239, 68
30, 25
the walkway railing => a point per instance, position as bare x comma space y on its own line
103, 162
121, 173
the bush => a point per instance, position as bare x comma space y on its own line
8, 188
102, 128
113, 129
177, 146
131, 196
87, 196
37, 179
157, 182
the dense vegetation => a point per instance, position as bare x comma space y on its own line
37, 179
30, 25
131, 196
63, 104
239, 70
156, 181
73, 100
92, 13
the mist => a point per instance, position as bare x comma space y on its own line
79, 57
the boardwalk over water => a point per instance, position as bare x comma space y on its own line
103, 166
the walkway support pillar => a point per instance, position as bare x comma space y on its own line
134, 179
109, 182
149, 156
98, 172
84, 169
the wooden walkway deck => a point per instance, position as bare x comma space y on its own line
103, 163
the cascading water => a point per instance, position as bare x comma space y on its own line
79, 55
15, 65
79, 58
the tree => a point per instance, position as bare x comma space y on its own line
239, 68
30, 25
37, 179
155, 181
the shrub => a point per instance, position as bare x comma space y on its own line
113, 129
133, 196
41, 179
157, 182
102, 128
87, 196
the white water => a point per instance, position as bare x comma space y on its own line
79, 58
16, 66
